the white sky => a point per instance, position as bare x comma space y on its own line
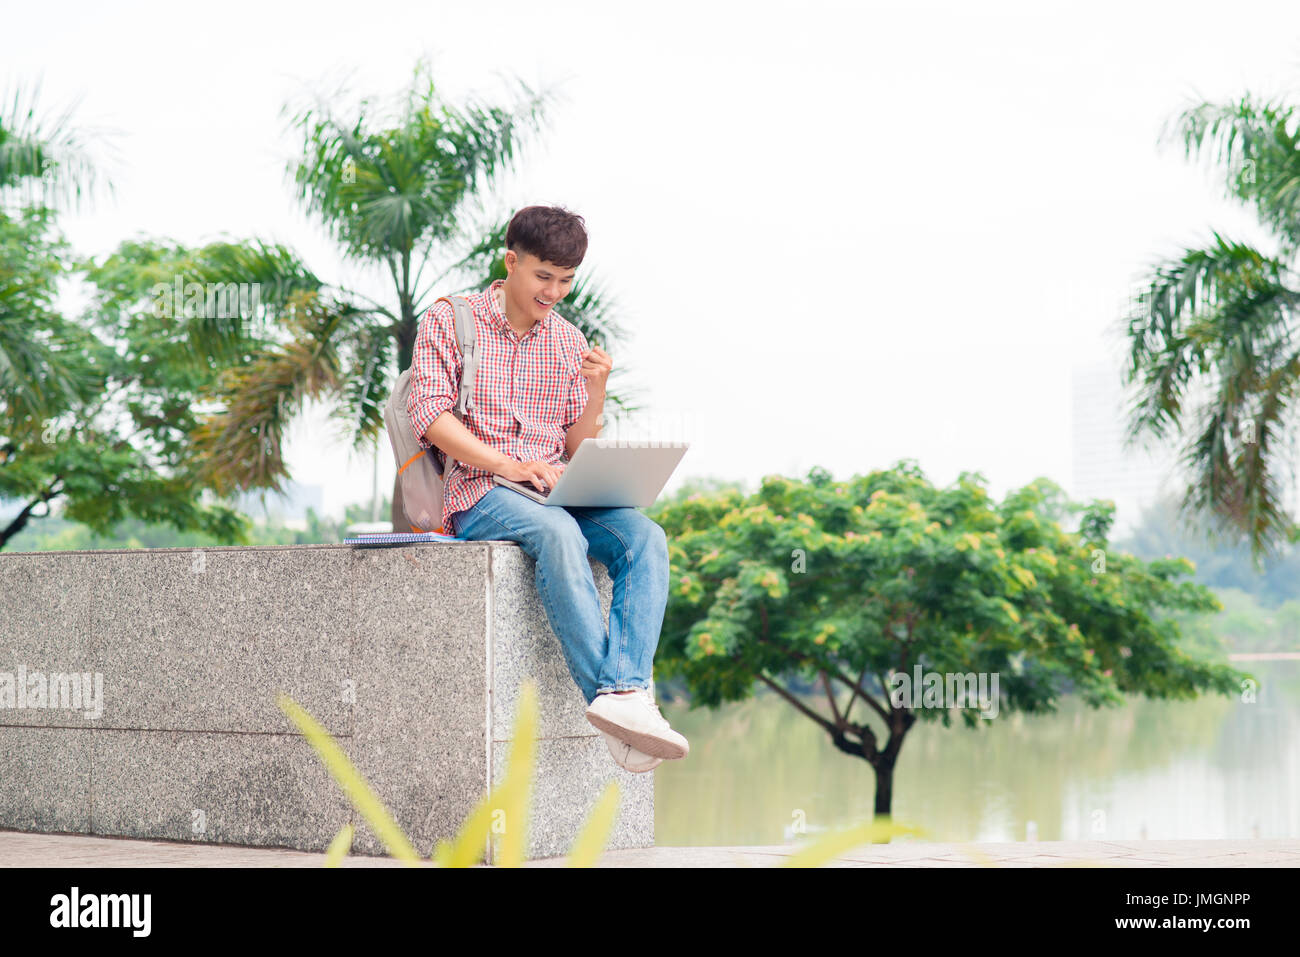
841, 233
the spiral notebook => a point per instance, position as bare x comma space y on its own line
382, 539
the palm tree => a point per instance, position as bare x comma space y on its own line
1211, 336
45, 159
399, 194
44, 165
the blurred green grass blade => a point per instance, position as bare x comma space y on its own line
587, 848
442, 854
519, 778
339, 847
356, 788
831, 846
512, 797
467, 847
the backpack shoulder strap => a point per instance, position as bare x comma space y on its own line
465, 333
464, 328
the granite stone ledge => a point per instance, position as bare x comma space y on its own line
421, 670
45, 628
571, 775
525, 648
254, 789
411, 656
45, 779
192, 641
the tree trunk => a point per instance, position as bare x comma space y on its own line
884, 788
884, 795
21, 519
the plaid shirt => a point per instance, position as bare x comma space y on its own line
527, 393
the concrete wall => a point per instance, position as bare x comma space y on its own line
411, 656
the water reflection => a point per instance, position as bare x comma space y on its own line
1162, 770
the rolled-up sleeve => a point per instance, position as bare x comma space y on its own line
577, 400
435, 370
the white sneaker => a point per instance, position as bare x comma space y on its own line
629, 758
635, 719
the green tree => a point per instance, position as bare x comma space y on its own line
1211, 339
43, 165
851, 584
83, 406
111, 442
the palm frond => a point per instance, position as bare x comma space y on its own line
46, 158
241, 448
259, 280
1218, 325
386, 186
1211, 302
368, 381
39, 376
1255, 145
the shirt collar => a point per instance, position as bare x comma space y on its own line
499, 314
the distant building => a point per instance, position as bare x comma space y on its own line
1102, 465
289, 509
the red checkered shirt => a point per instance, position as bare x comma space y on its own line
527, 393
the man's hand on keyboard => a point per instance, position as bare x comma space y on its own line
542, 476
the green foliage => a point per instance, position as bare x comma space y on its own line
1220, 564
847, 581
45, 160
40, 370
1217, 321
93, 412
385, 181
58, 534
1244, 625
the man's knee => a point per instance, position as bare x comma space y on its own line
649, 534
559, 531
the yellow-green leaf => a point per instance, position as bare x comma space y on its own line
339, 847
831, 846
356, 788
590, 843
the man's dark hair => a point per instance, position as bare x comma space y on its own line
551, 233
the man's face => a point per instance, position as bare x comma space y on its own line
537, 284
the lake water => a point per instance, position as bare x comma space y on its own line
1215, 767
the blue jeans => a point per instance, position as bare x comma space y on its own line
557, 537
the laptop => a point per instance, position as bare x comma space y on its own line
609, 473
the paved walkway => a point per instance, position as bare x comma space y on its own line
21, 849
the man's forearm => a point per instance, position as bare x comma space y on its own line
587, 426
449, 434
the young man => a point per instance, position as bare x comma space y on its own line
538, 393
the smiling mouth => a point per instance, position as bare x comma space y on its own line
542, 303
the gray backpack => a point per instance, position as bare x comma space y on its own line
421, 474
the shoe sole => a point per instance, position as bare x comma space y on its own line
622, 764
631, 770
645, 743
